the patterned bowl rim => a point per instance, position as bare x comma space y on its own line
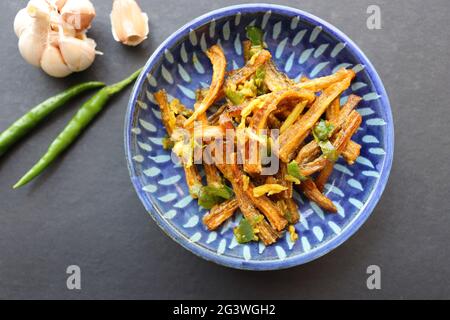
319, 251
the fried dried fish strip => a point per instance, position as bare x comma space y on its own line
193, 180
293, 211
267, 207
214, 119
273, 122
265, 232
349, 128
275, 80
220, 213
310, 190
213, 177
308, 153
167, 116
311, 150
235, 175
291, 139
259, 121
322, 83
324, 175
334, 109
349, 106
351, 152
314, 166
293, 116
246, 47
340, 142
207, 132
219, 63
248, 70
281, 178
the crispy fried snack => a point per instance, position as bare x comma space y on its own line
310, 190
323, 83
220, 213
248, 70
294, 136
275, 80
266, 233
333, 110
351, 125
293, 211
351, 152
193, 178
259, 120
219, 62
312, 149
213, 177
324, 175
168, 117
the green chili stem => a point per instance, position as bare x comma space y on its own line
75, 127
36, 115
115, 88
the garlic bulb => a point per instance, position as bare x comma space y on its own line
78, 13
52, 35
129, 23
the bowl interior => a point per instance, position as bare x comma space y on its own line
300, 46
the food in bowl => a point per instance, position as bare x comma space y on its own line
267, 134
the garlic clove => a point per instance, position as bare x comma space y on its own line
78, 13
22, 21
39, 9
53, 63
129, 23
33, 41
31, 47
78, 54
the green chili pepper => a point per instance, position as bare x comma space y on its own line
35, 116
322, 131
329, 151
259, 80
255, 35
245, 231
210, 196
235, 97
293, 171
76, 126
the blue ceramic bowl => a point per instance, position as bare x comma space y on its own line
301, 44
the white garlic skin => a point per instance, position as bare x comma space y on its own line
78, 13
129, 24
59, 4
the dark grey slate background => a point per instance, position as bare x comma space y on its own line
84, 211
